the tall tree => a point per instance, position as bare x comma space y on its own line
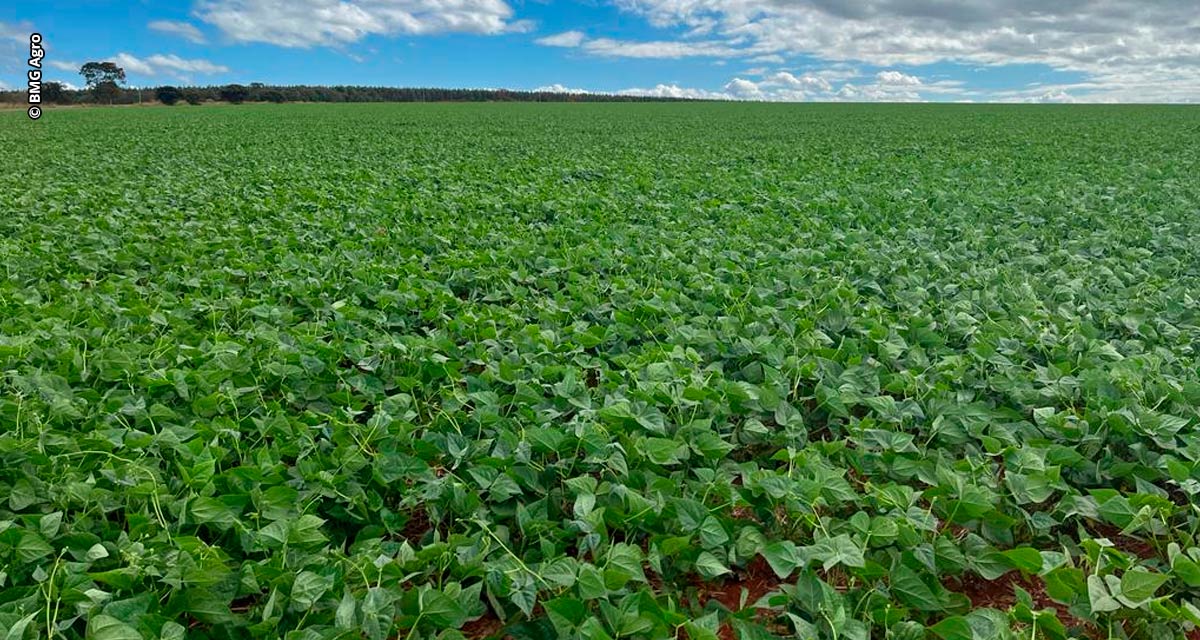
168, 95
104, 79
234, 93
54, 92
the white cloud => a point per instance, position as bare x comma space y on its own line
743, 89
564, 39
784, 86
805, 82
676, 91
185, 30
1055, 96
133, 64
307, 23
665, 49
658, 91
898, 79
1123, 47
16, 32
818, 86
3, 86
662, 49
558, 88
166, 65
874, 93
64, 65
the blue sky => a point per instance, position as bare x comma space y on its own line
823, 50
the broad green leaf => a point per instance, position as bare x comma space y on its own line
912, 591
1138, 585
954, 628
709, 566
712, 533
783, 557
104, 627
1099, 597
1025, 559
308, 588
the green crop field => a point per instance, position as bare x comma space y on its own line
600, 371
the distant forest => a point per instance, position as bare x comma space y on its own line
56, 93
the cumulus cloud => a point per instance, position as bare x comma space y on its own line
743, 88
185, 30
662, 49
669, 49
658, 91
805, 82
559, 88
676, 91
787, 86
166, 65
1059, 96
897, 79
307, 23
840, 84
1124, 47
64, 65
564, 39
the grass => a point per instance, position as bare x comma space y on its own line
556, 370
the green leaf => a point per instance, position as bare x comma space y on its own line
912, 591
306, 532
709, 566
172, 631
1025, 559
104, 627
16, 631
307, 589
440, 610
32, 547
23, 495
783, 557
344, 617
1064, 584
1099, 597
628, 560
664, 451
712, 533
96, 552
50, 523
1118, 511
559, 572
525, 598
211, 511
1139, 585
954, 628
1187, 570
566, 614
591, 583
840, 550
748, 630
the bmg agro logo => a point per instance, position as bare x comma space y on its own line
36, 53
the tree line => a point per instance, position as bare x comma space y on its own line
105, 82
